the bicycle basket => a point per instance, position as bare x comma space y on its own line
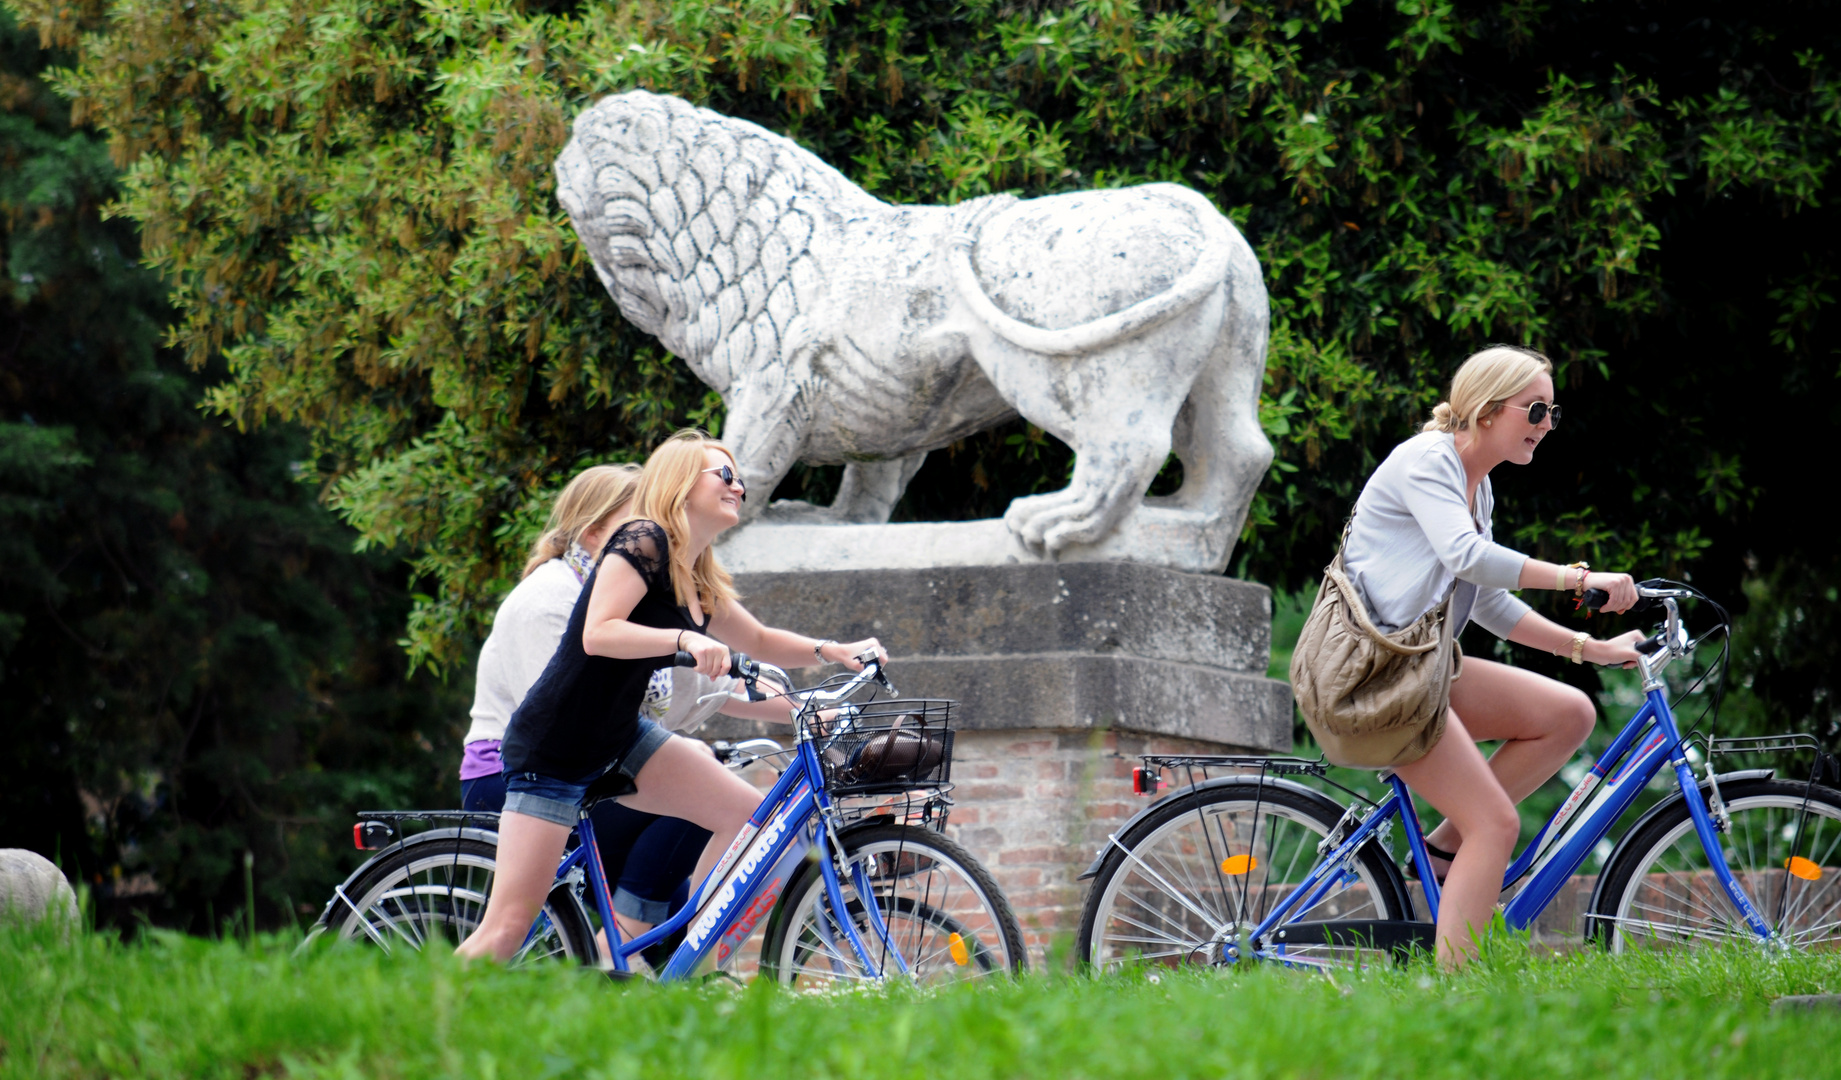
892, 747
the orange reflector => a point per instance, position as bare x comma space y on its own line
1803, 868
1239, 864
956, 946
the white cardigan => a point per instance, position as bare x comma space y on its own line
524, 636
1413, 534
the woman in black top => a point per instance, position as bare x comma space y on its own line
658, 589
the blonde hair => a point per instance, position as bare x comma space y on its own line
1484, 382
595, 494
672, 470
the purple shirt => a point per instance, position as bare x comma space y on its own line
481, 759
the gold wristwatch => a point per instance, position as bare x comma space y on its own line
1580, 637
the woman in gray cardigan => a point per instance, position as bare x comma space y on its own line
1422, 521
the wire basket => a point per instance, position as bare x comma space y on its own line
890, 747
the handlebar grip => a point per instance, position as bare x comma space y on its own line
739, 664
1650, 645
1594, 599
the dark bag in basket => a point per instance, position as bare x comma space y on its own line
892, 755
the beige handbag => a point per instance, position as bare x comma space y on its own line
1373, 700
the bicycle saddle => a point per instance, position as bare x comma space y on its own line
612, 784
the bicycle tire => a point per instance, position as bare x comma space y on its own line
947, 916
1660, 892
1187, 886
438, 888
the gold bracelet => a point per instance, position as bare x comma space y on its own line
1580, 637
1582, 566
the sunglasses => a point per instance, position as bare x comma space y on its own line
1538, 411
727, 475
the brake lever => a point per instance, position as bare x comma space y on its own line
882, 679
740, 667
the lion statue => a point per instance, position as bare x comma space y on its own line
840, 329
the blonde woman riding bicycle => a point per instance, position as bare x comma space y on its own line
1421, 534
658, 589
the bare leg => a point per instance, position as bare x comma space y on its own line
529, 850
1458, 783
1541, 723
683, 780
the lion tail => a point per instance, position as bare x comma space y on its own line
1206, 275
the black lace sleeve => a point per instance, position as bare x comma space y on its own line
643, 544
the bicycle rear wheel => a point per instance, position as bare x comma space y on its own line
1661, 892
1209, 865
435, 890
947, 918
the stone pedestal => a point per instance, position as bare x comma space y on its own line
1064, 673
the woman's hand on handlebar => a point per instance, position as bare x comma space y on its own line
1621, 588
1619, 651
712, 655
846, 652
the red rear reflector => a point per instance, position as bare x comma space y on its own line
1145, 781
358, 836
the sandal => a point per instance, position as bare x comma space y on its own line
1436, 853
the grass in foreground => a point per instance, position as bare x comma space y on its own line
172, 1006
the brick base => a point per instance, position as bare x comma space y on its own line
1034, 807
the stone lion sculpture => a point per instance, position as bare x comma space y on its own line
840, 329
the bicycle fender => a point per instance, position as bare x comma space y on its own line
1336, 810
1662, 807
431, 836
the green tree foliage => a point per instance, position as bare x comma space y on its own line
193, 663
354, 203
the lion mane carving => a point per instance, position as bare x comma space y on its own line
840, 329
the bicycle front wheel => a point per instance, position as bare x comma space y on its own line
947, 919
1783, 844
1209, 865
436, 890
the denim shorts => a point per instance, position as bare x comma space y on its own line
560, 801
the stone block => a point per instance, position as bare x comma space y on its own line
1103, 609
33, 888
1058, 650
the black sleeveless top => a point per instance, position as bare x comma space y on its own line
582, 714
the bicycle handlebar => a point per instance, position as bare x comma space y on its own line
1672, 639
749, 670
1593, 599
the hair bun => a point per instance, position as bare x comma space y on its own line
1443, 419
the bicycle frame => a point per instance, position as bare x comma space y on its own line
746, 884
1648, 741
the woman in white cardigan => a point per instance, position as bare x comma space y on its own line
1423, 520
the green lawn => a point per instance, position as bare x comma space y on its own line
171, 1006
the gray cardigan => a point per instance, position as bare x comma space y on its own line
1413, 533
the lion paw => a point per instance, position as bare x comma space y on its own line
1049, 523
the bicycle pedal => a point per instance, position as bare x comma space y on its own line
724, 978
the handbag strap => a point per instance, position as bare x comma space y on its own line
1334, 574
1358, 613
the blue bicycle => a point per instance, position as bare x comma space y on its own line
1254, 865
843, 859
